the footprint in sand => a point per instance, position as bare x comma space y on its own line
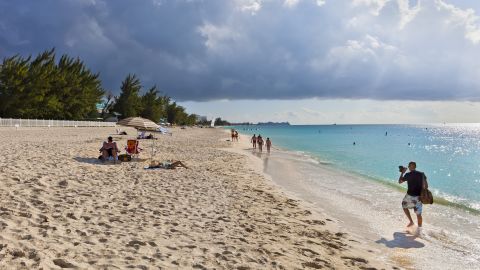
71, 215
136, 244
63, 264
354, 261
17, 253
63, 183
102, 240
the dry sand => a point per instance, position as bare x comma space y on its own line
61, 208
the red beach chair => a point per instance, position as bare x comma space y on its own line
132, 148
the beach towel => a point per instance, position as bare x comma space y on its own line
163, 165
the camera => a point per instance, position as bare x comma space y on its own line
401, 168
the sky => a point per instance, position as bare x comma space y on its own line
302, 61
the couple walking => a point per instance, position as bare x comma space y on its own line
258, 140
234, 135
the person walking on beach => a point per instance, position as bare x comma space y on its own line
233, 134
260, 142
268, 143
254, 141
415, 182
236, 135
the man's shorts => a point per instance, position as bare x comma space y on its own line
414, 202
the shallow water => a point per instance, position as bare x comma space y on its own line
450, 238
448, 154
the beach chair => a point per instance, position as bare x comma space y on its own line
132, 148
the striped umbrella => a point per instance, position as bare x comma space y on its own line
139, 123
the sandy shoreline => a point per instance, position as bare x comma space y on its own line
61, 208
371, 212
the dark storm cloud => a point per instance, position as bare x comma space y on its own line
246, 49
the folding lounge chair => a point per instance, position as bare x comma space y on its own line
132, 148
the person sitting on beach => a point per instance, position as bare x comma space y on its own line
415, 181
260, 142
268, 143
167, 165
142, 136
120, 132
109, 149
254, 141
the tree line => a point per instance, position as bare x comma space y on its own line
44, 88
151, 105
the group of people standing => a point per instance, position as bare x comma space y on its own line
258, 141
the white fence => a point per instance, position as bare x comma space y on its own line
9, 122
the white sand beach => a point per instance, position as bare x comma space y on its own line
62, 208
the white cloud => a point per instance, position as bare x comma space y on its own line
157, 2
465, 18
217, 37
369, 50
407, 13
88, 31
290, 3
313, 113
87, 2
252, 6
352, 22
321, 2
375, 5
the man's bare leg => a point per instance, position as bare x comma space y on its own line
104, 155
182, 165
178, 164
114, 154
407, 213
419, 220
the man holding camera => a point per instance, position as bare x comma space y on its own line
415, 181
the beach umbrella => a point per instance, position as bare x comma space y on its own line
144, 124
139, 123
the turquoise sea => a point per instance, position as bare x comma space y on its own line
449, 154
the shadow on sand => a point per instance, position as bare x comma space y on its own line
94, 161
401, 240
257, 154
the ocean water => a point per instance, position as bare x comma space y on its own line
449, 154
